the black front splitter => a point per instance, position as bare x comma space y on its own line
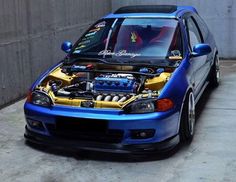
164, 146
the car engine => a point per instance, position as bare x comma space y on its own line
76, 84
104, 87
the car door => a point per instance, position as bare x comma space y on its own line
207, 38
199, 63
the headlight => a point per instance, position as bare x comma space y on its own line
141, 106
149, 105
39, 98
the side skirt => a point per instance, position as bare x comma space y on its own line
201, 92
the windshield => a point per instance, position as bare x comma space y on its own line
131, 38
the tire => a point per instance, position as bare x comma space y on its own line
214, 78
187, 122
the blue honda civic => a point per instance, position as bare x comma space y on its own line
130, 84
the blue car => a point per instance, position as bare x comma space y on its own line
130, 84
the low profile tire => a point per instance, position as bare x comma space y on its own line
214, 78
187, 123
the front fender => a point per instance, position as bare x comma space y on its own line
178, 85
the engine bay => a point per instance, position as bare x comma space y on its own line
99, 85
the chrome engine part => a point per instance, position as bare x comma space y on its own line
113, 98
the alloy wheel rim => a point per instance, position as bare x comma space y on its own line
191, 113
217, 64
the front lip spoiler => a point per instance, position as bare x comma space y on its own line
164, 146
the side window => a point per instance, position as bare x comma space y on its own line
202, 25
193, 33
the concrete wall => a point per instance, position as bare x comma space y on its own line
220, 15
31, 32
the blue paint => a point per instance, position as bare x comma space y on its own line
191, 74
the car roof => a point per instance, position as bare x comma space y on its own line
158, 11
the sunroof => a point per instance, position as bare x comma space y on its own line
147, 9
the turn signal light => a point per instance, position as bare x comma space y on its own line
29, 97
164, 105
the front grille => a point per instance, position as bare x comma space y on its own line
81, 129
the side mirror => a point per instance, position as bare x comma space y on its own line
66, 46
201, 50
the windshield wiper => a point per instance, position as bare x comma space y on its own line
71, 61
142, 62
125, 61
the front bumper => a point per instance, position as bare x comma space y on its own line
164, 124
101, 147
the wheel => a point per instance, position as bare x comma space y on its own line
187, 122
215, 73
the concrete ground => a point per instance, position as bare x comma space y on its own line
210, 157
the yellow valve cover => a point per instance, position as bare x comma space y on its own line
157, 83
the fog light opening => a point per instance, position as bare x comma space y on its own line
35, 124
142, 134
